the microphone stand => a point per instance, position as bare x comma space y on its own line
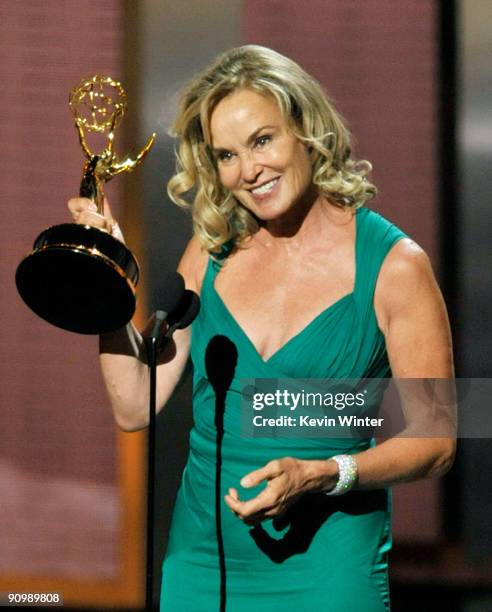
151, 342
151, 347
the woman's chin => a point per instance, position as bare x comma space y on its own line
268, 211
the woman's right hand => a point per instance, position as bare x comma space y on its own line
84, 212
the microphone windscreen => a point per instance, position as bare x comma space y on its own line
220, 363
169, 293
187, 310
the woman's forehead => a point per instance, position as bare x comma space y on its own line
241, 113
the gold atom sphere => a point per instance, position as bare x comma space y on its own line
98, 103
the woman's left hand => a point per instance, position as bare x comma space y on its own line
287, 479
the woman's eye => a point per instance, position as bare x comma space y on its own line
261, 141
224, 156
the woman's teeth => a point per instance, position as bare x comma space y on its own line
266, 187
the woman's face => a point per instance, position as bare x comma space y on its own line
259, 160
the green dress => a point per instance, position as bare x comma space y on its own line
332, 551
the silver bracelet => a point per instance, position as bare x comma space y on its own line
347, 474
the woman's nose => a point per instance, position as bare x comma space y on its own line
250, 168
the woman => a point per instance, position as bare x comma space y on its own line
305, 282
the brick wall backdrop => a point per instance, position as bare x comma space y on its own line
57, 451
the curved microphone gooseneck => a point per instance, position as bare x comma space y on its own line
184, 314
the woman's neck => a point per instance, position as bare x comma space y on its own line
301, 225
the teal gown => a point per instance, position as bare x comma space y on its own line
331, 553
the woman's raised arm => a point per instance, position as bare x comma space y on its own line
122, 352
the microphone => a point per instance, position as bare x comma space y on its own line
167, 300
220, 363
185, 313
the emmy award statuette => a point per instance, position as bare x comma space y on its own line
77, 277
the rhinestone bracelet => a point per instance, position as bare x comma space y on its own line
347, 474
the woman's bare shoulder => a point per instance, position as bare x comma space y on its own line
406, 261
193, 264
405, 276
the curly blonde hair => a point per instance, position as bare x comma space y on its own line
218, 218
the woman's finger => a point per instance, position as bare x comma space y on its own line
94, 219
78, 205
107, 208
84, 212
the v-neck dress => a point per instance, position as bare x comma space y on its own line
330, 552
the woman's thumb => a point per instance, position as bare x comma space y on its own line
107, 209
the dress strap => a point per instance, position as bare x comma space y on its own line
215, 263
375, 238
211, 272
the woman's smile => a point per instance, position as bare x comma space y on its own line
266, 190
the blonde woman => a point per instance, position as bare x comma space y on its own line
305, 281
